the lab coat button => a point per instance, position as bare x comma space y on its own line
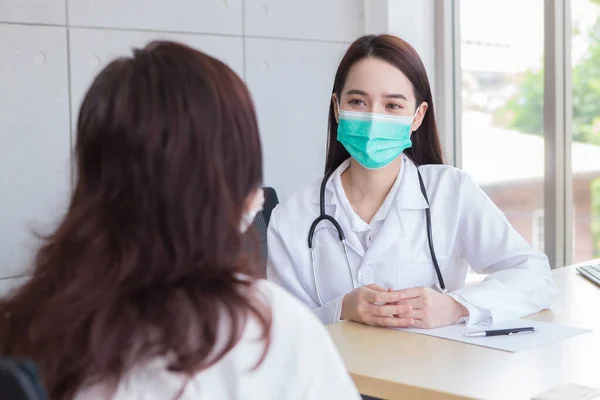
365, 276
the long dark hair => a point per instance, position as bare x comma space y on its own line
149, 258
426, 148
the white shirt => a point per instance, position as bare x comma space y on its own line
301, 363
468, 230
366, 232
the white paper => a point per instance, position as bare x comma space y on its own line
547, 333
570, 392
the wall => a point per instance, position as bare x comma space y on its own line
413, 21
287, 52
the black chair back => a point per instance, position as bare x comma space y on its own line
261, 224
271, 201
19, 380
261, 228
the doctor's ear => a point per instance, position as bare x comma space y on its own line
419, 116
336, 107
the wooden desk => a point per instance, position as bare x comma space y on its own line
394, 365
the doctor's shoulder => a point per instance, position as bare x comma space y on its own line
445, 177
298, 209
302, 348
454, 188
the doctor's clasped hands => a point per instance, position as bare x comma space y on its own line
421, 307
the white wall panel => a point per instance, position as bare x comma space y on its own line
291, 83
34, 139
201, 16
33, 11
7, 285
92, 49
331, 20
402, 21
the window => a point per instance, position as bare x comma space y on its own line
585, 128
502, 143
528, 128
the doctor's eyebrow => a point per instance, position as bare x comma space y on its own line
395, 96
387, 96
357, 91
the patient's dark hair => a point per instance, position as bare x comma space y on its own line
149, 259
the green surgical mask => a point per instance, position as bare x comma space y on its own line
374, 140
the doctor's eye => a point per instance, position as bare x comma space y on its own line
393, 106
356, 102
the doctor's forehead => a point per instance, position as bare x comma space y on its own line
377, 78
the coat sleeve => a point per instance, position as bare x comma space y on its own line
283, 270
519, 281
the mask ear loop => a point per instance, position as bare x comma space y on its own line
414, 116
412, 121
257, 206
339, 108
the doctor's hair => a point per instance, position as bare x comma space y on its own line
148, 260
426, 148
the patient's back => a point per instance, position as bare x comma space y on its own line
301, 363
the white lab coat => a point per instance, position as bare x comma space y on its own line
301, 363
468, 229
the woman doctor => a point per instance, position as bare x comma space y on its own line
410, 225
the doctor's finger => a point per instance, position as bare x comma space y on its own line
383, 297
376, 287
411, 292
415, 302
388, 309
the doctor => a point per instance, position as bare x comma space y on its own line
387, 236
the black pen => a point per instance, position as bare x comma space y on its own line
502, 332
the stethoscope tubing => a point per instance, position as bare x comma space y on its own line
342, 237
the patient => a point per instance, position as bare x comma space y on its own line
144, 291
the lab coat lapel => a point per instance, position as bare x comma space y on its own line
409, 200
351, 237
333, 208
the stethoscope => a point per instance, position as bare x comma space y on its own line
441, 287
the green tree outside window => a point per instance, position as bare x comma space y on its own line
524, 110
